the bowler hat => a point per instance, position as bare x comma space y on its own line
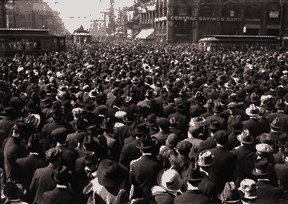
14, 190
146, 142
107, 124
53, 154
276, 125
267, 138
170, 180
59, 133
249, 188
140, 129
81, 124
184, 147
280, 104
172, 140
20, 127
262, 167
111, 173
33, 120
230, 193
217, 107
245, 137
236, 125
90, 107
206, 158
215, 125
252, 111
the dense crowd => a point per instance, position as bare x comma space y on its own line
141, 122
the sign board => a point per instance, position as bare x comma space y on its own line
274, 14
200, 18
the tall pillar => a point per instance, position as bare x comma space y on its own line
170, 24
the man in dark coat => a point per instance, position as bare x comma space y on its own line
263, 171
62, 194
245, 157
198, 109
223, 169
6, 123
130, 152
283, 118
14, 150
28, 165
68, 156
147, 166
42, 179
164, 131
255, 128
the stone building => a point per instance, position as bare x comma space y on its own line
190, 20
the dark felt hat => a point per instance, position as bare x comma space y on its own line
111, 173
230, 193
262, 167
206, 158
146, 142
140, 129
53, 154
107, 124
14, 190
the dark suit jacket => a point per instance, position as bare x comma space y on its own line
282, 175
12, 151
26, 168
42, 181
6, 125
58, 196
68, 157
143, 175
196, 110
168, 109
46, 133
190, 195
269, 194
129, 152
254, 126
223, 168
161, 137
121, 133
244, 164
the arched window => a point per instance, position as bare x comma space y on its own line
230, 9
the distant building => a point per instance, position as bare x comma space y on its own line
81, 36
189, 20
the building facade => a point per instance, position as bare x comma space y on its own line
176, 21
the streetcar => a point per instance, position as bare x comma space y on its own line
30, 41
238, 42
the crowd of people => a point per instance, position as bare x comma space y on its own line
141, 122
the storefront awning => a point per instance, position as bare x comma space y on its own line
146, 34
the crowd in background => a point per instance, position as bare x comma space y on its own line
141, 122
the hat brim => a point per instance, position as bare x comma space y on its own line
258, 192
205, 165
138, 145
244, 142
107, 182
268, 171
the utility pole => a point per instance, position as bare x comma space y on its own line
281, 23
